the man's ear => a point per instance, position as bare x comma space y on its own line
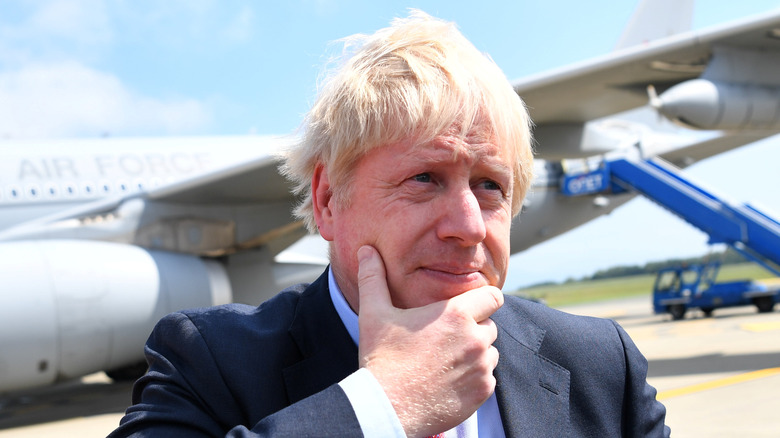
321, 197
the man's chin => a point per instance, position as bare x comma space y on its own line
431, 292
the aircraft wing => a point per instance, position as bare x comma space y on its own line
254, 181
618, 81
227, 210
693, 152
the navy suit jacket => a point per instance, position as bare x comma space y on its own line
273, 370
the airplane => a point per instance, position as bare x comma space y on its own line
97, 245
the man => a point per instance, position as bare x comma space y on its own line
415, 158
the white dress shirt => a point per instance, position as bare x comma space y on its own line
373, 409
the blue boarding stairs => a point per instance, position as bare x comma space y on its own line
754, 234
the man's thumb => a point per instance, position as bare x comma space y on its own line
372, 283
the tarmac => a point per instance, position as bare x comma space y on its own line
717, 376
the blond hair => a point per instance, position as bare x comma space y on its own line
417, 78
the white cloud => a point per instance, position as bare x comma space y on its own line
48, 89
68, 99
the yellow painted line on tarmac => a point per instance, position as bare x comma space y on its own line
762, 326
726, 381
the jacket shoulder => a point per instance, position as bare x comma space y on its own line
572, 341
555, 322
270, 318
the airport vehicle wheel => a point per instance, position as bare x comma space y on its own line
128, 373
677, 311
764, 304
707, 311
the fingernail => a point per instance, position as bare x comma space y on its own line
364, 253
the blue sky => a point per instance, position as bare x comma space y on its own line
209, 67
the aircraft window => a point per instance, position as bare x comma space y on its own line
105, 187
123, 186
88, 189
70, 190
51, 189
14, 193
33, 192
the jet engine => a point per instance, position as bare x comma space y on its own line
708, 104
70, 308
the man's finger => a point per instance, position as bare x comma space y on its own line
488, 330
372, 283
481, 302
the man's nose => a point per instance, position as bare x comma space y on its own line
460, 218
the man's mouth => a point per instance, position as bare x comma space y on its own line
453, 273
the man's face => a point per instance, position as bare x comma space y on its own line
439, 214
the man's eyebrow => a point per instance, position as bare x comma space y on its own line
445, 150
424, 153
498, 166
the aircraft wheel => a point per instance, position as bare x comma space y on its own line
129, 373
677, 311
764, 304
707, 311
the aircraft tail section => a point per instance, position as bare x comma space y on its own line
655, 19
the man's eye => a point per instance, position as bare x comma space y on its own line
423, 178
490, 185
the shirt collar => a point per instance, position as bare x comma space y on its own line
348, 317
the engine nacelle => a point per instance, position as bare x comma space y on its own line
707, 104
70, 308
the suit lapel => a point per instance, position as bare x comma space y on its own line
532, 391
329, 355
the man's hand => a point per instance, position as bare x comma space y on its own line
435, 362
